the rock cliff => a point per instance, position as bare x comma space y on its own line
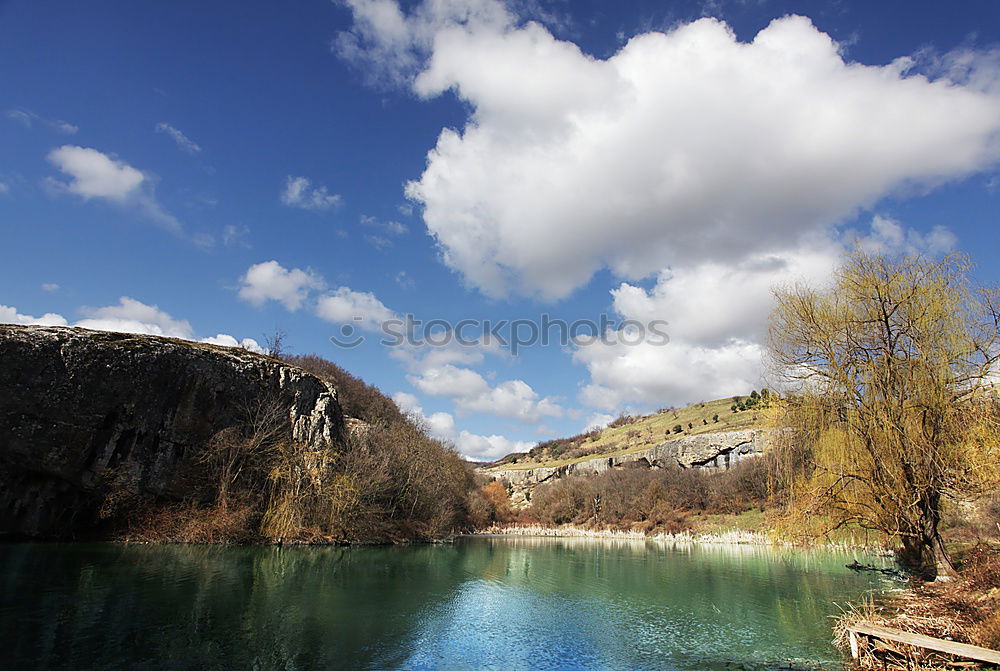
708, 451
77, 404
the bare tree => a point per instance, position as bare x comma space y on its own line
274, 343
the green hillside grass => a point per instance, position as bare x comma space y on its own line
636, 434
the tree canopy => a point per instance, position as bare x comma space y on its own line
889, 396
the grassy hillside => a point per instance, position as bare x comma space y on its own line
630, 434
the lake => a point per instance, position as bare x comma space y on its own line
479, 603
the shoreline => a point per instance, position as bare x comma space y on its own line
733, 537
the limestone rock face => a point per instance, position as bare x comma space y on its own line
704, 451
75, 404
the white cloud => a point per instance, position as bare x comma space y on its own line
598, 420
227, 340
270, 281
50, 287
95, 174
379, 242
235, 235
451, 381
389, 227
129, 316
132, 316
183, 142
717, 318
392, 46
21, 116
472, 393
300, 193
684, 147
441, 425
346, 306
674, 374
9, 315
889, 237
27, 118
404, 280
515, 399
4, 189
388, 230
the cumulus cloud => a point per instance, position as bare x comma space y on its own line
9, 315
598, 420
433, 368
472, 393
183, 142
683, 147
129, 316
441, 425
391, 46
270, 281
227, 340
132, 316
346, 306
719, 167
50, 287
717, 318
300, 193
94, 174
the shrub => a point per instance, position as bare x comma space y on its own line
651, 499
386, 480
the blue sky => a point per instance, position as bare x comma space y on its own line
219, 170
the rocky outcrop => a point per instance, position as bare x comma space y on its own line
705, 451
76, 405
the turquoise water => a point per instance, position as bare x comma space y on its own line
480, 603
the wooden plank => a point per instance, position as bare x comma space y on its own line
928, 642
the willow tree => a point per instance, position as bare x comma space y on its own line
890, 401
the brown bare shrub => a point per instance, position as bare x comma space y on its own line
651, 499
252, 482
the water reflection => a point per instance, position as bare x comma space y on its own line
508, 604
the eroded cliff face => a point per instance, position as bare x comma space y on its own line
77, 405
705, 451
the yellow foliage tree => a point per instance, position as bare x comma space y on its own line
891, 405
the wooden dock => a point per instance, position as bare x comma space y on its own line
859, 633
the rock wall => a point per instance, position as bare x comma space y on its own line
77, 404
707, 451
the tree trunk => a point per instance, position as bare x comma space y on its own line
923, 552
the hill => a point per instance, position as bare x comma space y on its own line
138, 437
629, 433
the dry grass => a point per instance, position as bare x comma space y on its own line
966, 610
646, 432
253, 483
